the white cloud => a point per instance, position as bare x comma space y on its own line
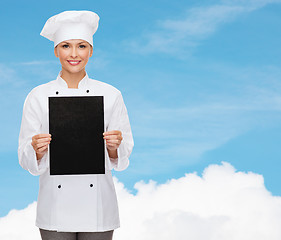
250, 4
222, 204
7, 75
40, 62
19, 224
179, 36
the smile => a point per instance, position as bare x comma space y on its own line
73, 62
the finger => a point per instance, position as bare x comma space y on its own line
110, 137
41, 140
113, 132
36, 147
39, 145
119, 137
41, 135
113, 141
39, 150
44, 135
112, 145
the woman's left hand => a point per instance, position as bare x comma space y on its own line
113, 139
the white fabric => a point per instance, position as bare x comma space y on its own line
75, 207
71, 25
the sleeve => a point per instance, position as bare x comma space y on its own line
120, 121
30, 126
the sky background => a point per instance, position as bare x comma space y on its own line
200, 79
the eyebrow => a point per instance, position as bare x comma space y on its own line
77, 43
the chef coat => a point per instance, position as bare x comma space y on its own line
74, 203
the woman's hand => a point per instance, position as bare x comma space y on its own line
40, 144
113, 140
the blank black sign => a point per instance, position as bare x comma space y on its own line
76, 124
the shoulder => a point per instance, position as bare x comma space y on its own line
113, 96
42, 88
104, 87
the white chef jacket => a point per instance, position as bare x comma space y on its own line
74, 203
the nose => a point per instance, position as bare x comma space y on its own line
74, 52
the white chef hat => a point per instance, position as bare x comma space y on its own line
71, 25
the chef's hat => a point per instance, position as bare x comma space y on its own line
71, 25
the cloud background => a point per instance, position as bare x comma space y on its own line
221, 204
201, 82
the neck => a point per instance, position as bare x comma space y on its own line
72, 79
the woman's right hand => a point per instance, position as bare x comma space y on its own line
40, 144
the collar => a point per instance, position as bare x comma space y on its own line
82, 84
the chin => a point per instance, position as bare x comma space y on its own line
73, 71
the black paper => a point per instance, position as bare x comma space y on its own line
76, 124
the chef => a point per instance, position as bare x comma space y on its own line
82, 203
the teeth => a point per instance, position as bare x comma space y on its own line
73, 62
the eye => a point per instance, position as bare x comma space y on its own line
65, 46
82, 46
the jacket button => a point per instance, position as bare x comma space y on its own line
87, 91
57, 92
91, 185
59, 186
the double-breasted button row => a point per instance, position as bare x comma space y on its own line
87, 91
91, 185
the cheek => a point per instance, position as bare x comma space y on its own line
85, 54
86, 57
62, 53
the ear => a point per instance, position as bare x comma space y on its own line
56, 52
91, 51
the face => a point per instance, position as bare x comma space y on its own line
73, 54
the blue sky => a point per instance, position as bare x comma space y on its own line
200, 79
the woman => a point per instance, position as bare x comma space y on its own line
80, 206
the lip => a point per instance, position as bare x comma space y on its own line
73, 62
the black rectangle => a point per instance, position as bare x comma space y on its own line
76, 124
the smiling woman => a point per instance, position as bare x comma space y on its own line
74, 55
79, 205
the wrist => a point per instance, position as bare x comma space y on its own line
39, 156
112, 153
